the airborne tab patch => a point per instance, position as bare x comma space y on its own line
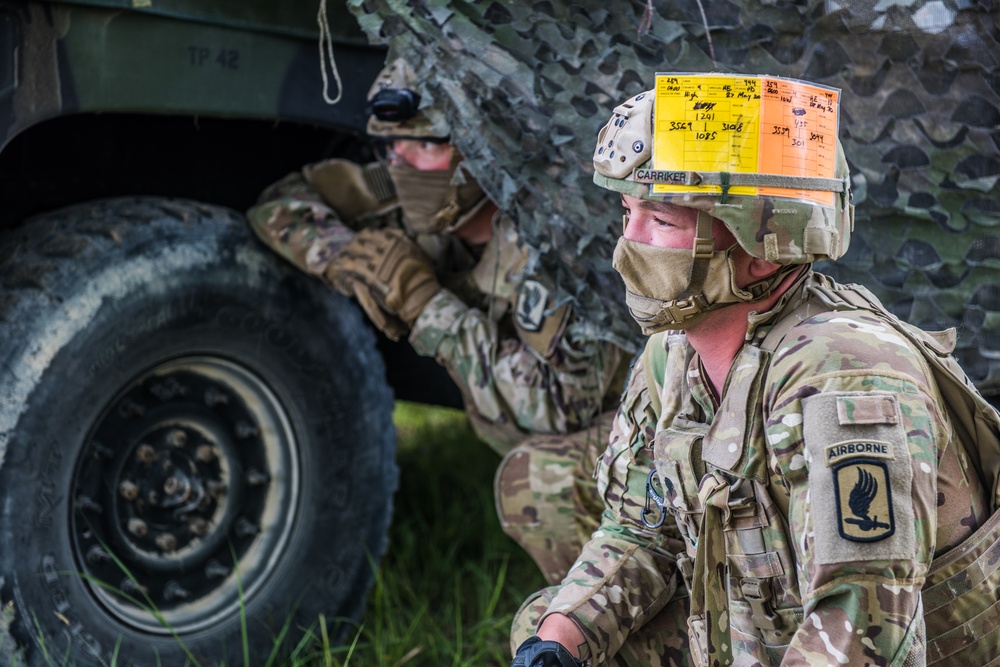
864, 500
872, 449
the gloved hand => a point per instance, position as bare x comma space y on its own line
387, 272
535, 652
384, 321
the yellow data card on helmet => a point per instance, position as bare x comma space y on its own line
712, 124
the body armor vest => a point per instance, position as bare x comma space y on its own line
739, 563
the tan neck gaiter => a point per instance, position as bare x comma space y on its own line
657, 279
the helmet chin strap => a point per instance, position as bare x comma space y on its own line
692, 300
702, 251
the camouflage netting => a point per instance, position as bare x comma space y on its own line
528, 85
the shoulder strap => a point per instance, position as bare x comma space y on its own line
654, 362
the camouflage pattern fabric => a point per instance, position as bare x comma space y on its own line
516, 383
546, 496
662, 642
294, 220
515, 387
529, 84
847, 411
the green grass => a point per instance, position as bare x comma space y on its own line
451, 581
446, 591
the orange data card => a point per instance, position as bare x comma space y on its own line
745, 124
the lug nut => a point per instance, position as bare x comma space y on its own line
217, 489
129, 587
198, 526
245, 430
257, 478
129, 408
137, 527
205, 453
166, 542
129, 490
174, 591
102, 452
87, 504
96, 555
216, 570
145, 453
215, 397
167, 389
245, 527
171, 486
177, 438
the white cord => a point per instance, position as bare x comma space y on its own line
325, 36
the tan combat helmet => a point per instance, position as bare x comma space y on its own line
778, 230
396, 111
394, 107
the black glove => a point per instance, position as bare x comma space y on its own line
537, 653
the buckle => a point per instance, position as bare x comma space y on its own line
703, 248
681, 310
757, 592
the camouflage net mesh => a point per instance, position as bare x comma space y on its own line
528, 85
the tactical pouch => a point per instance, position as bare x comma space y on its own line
962, 601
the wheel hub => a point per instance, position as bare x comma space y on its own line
189, 479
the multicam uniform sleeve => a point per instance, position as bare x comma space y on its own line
292, 218
625, 574
509, 382
855, 429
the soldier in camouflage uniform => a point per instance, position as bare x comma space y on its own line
784, 465
464, 290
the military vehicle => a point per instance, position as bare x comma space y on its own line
192, 434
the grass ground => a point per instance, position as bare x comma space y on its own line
449, 586
447, 589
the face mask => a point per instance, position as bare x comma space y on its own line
657, 281
422, 195
431, 203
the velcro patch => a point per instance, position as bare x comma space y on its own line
531, 302
874, 409
864, 500
859, 466
536, 323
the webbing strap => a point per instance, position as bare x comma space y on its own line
737, 179
941, 593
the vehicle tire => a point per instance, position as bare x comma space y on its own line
196, 439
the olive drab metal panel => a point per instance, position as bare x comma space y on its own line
530, 83
293, 17
227, 59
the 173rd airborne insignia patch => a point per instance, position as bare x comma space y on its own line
864, 500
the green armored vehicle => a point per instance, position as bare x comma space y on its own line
191, 432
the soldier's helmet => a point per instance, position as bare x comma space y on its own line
395, 111
777, 229
432, 202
